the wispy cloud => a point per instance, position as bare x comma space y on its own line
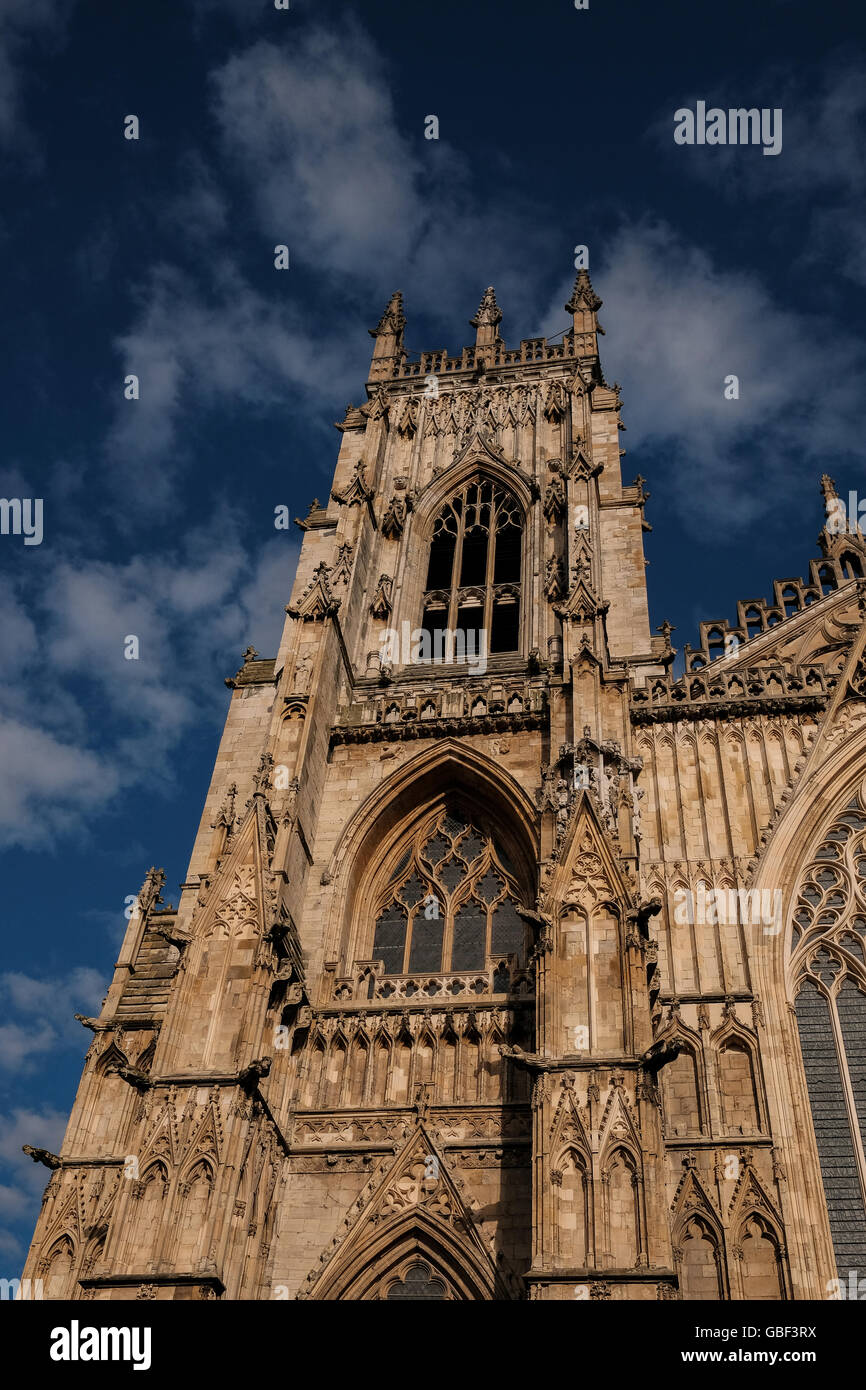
24, 1180
677, 324
23, 25
92, 723
312, 131
822, 167
194, 348
38, 1015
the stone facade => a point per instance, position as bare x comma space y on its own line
536, 977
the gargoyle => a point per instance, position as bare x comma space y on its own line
173, 935
523, 1059
139, 1079
250, 1077
661, 1052
42, 1156
649, 907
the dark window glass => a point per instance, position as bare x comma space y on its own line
413, 891
426, 950
436, 848
490, 887
477, 543
505, 631
470, 936
832, 1130
419, 1284
506, 568
508, 934
471, 846
500, 979
441, 567
474, 567
452, 874
470, 621
389, 942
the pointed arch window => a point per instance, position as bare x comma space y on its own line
474, 572
451, 904
829, 951
418, 1283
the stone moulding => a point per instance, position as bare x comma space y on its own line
727, 709
437, 728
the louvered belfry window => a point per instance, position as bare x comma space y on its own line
474, 570
450, 905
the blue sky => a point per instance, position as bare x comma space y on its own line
156, 257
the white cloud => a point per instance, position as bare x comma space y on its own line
39, 1015
313, 138
313, 131
822, 166
313, 127
192, 350
676, 325
92, 723
45, 780
20, 1194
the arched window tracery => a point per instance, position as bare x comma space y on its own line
451, 904
417, 1284
474, 572
828, 942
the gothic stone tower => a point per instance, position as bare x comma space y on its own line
431, 1019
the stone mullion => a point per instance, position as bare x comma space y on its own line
728, 983
678, 785
641, 1233
765, 768
596, 1229
588, 936
345, 1085
711, 1055
657, 803
721, 939
702, 793
725, 798
741, 744
489, 568
783, 744
658, 1236
369, 1066
457, 565
708, 1128
604, 1257
540, 1164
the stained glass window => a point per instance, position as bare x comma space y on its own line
827, 929
451, 904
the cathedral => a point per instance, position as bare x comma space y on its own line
508, 964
